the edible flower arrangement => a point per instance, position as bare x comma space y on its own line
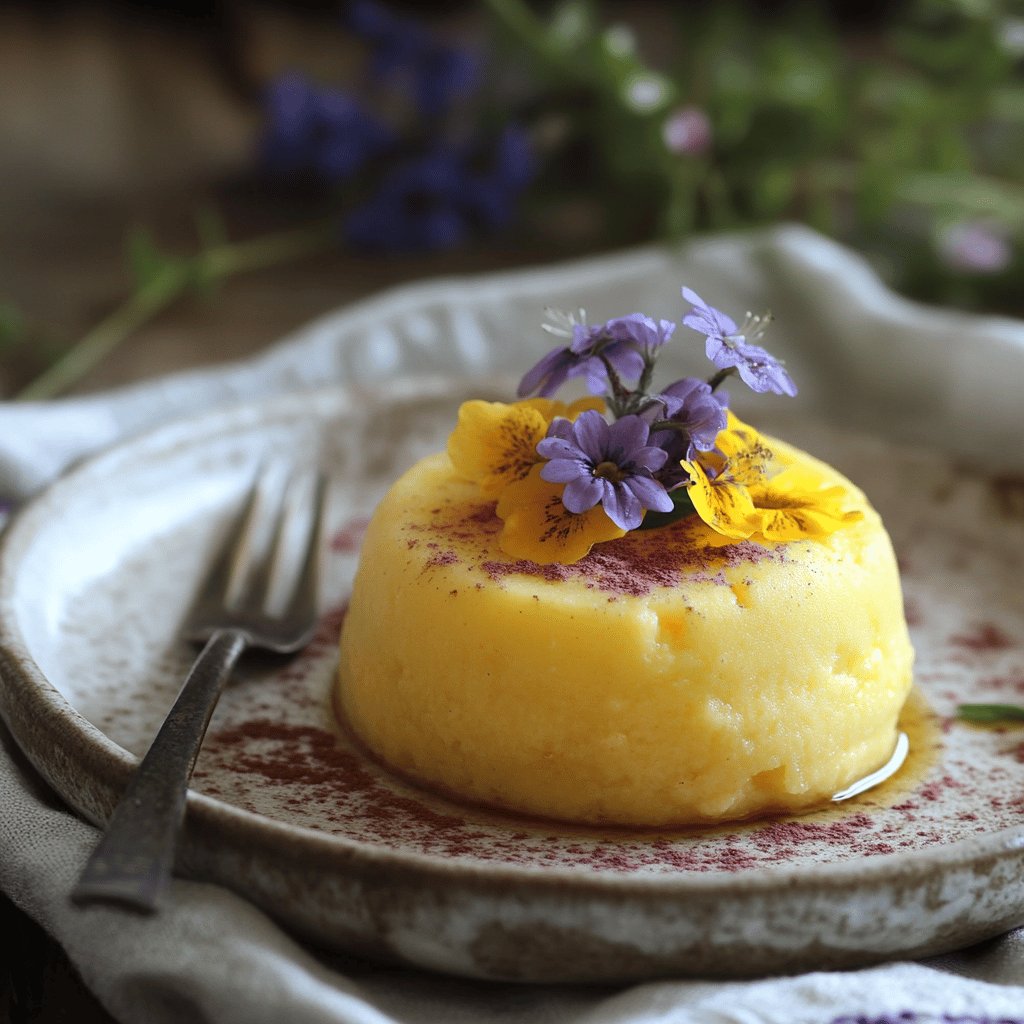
567, 476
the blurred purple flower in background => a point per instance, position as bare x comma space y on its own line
402, 49
319, 130
413, 195
418, 206
976, 247
437, 199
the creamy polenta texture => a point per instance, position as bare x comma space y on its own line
661, 680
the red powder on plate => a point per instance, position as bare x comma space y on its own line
985, 637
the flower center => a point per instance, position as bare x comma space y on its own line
609, 471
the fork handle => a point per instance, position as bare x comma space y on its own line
133, 860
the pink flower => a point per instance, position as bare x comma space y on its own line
687, 132
975, 247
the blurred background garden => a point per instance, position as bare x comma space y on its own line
186, 182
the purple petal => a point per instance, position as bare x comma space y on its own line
764, 377
628, 362
561, 471
706, 319
623, 507
683, 389
559, 448
583, 338
720, 354
655, 408
651, 458
562, 428
703, 437
670, 442
583, 493
596, 374
592, 431
624, 436
641, 330
761, 371
548, 375
649, 493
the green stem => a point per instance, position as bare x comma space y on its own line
716, 380
269, 251
213, 264
618, 400
522, 23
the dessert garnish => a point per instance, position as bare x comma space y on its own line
568, 476
631, 608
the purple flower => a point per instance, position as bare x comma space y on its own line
403, 48
319, 130
584, 356
644, 332
699, 412
547, 376
437, 199
417, 207
610, 465
493, 196
727, 346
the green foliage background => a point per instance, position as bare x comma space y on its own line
886, 139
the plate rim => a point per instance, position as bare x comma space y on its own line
113, 763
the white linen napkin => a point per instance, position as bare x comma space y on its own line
209, 957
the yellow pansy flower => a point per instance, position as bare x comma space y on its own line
723, 499
755, 495
796, 504
726, 506
537, 526
495, 444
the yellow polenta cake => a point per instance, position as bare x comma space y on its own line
632, 609
665, 678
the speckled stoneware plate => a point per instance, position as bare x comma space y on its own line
97, 571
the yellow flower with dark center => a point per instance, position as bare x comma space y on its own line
796, 504
720, 481
495, 444
539, 527
745, 490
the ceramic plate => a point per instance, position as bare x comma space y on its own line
97, 572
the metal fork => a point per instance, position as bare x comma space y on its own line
133, 861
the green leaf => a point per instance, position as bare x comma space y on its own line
990, 713
145, 260
683, 507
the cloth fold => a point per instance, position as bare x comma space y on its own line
209, 956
